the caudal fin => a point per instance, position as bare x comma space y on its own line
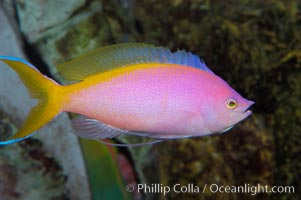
40, 87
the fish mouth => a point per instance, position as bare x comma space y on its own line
246, 112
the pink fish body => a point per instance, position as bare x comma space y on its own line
147, 91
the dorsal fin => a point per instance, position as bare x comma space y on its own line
120, 55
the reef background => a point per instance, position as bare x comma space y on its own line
254, 45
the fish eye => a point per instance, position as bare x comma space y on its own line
231, 103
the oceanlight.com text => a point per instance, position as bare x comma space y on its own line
251, 189
213, 188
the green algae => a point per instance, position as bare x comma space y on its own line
88, 34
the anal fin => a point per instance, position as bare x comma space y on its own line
93, 129
131, 144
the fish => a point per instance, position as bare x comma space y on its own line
132, 89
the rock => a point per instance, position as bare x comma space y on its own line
39, 15
15, 100
27, 172
79, 28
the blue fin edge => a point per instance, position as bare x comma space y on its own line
2, 143
10, 58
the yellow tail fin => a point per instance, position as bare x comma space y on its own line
40, 87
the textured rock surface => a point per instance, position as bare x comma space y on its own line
39, 15
15, 101
82, 27
27, 172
